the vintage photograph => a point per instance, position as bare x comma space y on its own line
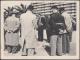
39, 28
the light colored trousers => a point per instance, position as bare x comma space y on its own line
56, 44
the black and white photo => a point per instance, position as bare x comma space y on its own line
40, 29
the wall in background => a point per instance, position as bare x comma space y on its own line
44, 8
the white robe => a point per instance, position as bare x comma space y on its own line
68, 21
27, 29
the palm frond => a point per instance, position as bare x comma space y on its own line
18, 8
6, 10
25, 7
9, 8
22, 6
12, 8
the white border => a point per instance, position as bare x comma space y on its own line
37, 57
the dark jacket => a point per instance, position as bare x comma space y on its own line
53, 26
41, 21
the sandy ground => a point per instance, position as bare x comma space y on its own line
40, 51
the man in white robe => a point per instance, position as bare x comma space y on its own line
28, 24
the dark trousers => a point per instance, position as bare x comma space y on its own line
66, 43
48, 35
40, 34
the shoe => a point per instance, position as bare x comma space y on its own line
14, 50
9, 49
23, 55
65, 55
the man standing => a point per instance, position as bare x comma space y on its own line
68, 31
56, 26
28, 27
11, 27
41, 26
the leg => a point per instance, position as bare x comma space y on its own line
14, 49
40, 34
70, 36
48, 35
24, 50
64, 43
53, 40
68, 44
59, 45
23, 46
9, 48
31, 51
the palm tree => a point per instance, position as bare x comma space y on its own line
22, 8
8, 12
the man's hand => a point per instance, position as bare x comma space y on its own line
61, 31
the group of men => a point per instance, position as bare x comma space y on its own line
58, 26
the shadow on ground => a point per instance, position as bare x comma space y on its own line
48, 49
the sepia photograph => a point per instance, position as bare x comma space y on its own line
39, 29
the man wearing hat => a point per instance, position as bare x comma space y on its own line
12, 31
56, 26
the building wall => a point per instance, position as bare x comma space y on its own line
44, 8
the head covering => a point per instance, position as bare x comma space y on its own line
30, 7
54, 7
61, 9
